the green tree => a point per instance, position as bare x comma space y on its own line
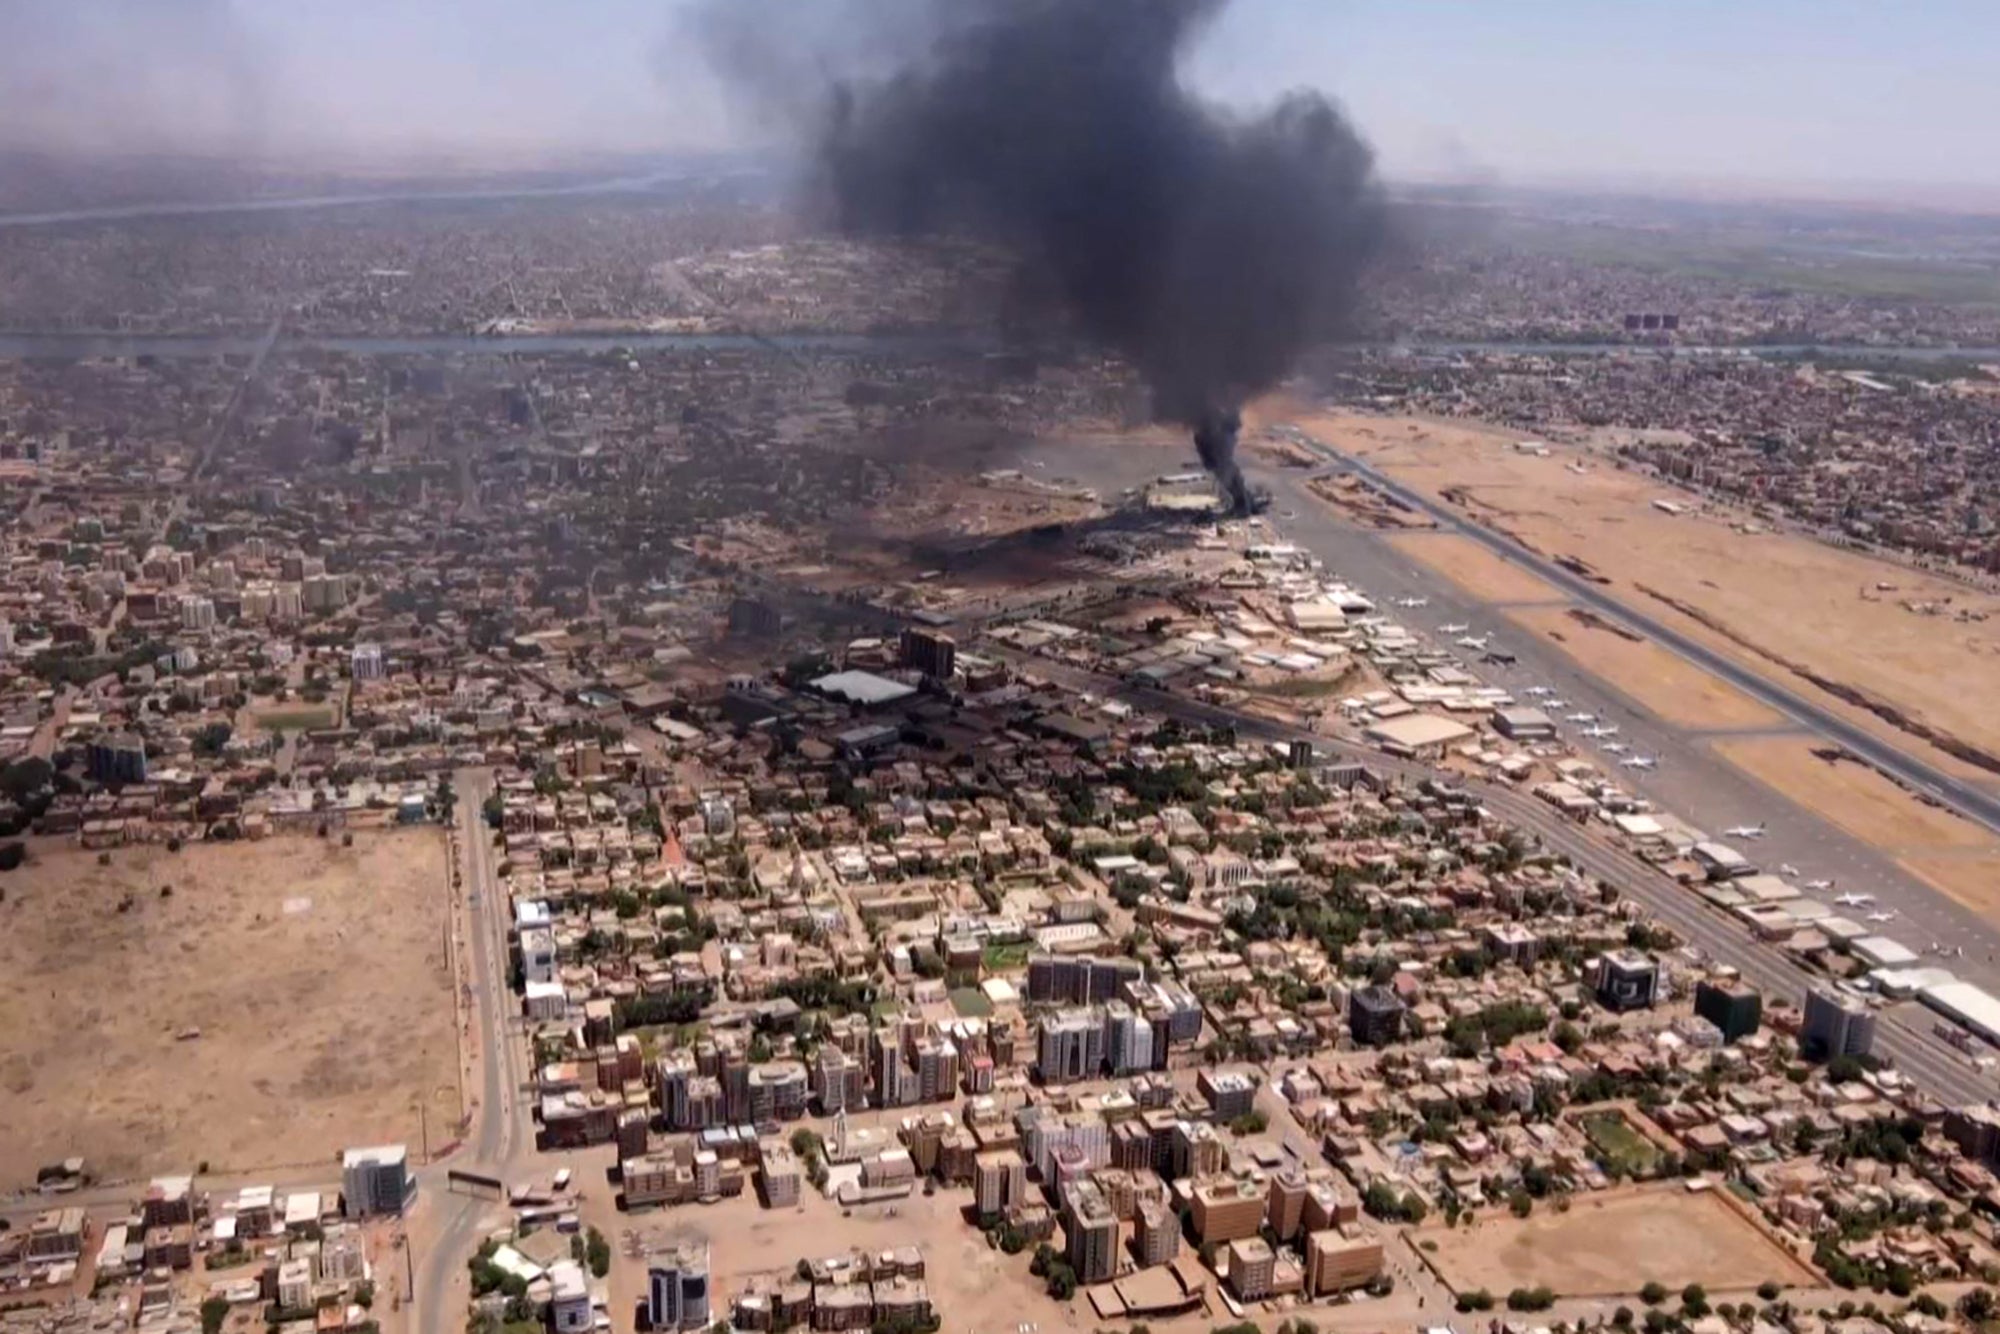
598, 1252
213, 1312
1653, 1293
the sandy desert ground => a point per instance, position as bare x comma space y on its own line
315, 974
1950, 853
1666, 684
1613, 1243
1772, 601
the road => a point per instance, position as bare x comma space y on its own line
1970, 800
502, 1133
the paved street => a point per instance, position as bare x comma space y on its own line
448, 1227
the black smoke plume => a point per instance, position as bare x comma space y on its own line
1206, 248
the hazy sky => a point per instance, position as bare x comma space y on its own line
1782, 93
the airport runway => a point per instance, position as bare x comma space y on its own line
1691, 782
1968, 799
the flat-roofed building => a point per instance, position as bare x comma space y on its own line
1335, 1263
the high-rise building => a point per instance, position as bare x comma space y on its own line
1156, 1236
677, 1294
116, 758
197, 613
840, 1082
1374, 1016
366, 662
1079, 979
999, 1181
1226, 1209
374, 1181
1072, 1046
1733, 1007
1835, 1025
1627, 980
1285, 1206
1252, 1264
1335, 1263
1090, 1233
1128, 1039
930, 652
1230, 1093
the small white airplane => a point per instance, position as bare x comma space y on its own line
1615, 748
1455, 628
1889, 916
1786, 868
1745, 831
1556, 702
1472, 641
1538, 691
1579, 717
1854, 900
1819, 884
1601, 730
1413, 602
1640, 762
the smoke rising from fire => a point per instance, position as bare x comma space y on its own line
1207, 248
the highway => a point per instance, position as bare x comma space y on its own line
502, 1134
1970, 800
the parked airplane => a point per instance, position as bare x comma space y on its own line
1472, 641
1819, 884
1601, 730
1555, 702
1615, 748
1640, 762
1786, 868
1580, 718
1889, 916
1455, 628
1854, 900
1413, 602
1745, 830
1538, 691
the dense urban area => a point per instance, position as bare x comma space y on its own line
605, 762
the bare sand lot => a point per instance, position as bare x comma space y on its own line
1970, 877
1615, 1242
1474, 568
1775, 602
315, 976
971, 1284
1665, 683
1852, 795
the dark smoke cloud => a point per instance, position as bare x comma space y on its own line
1206, 248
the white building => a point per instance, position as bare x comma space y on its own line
197, 613
569, 1298
366, 662
375, 1181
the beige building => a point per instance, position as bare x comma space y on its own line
1225, 1209
1335, 1263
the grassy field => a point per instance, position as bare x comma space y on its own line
1004, 958
297, 718
971, 1002
1619, 1147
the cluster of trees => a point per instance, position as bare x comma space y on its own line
1385, 1202
681, 1007
1054, 1270
1496, 1025
1538, 1298
590, 1249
